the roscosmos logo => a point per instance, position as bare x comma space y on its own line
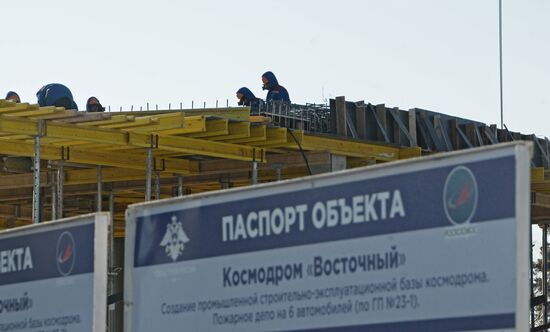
65, 256
460, 195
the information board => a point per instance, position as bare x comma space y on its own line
432, 244
53, 276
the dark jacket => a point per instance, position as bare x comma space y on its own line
248, 97
92, 108
12, 94
55, 94
275, 92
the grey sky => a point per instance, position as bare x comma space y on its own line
440, 55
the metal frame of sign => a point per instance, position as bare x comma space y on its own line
520, 150
100, 221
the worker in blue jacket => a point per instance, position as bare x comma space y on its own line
246, 97
13, 96
55, 94
93, 105
275, 92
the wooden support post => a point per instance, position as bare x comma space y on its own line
454, 134
254, 172
441, 133
361, 120
180, 185
380, 112
338, 163
412, 127
471, 134
341, 128
493, 129
396, 129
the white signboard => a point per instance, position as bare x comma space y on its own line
433, 244
53, 276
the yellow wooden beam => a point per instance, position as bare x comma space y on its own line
410, 152
191, 125
58, 114
94, 157
236, 130
345, 147
9, 108
197, 146
15, 125
113, 120
537, 174
43, 111
275, 137
98, 135
214, 127
540, 186
257, 134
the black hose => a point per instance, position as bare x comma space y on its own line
301, 150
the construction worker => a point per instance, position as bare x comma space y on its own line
55, 94
246, 97
93, 105
275, 92
13, 96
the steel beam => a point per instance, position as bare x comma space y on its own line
36, 203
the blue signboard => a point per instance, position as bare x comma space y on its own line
434, 244
53, 276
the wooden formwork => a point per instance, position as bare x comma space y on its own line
84, 157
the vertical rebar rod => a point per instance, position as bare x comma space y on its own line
36, 203
180, 185
157, 185
60, 184
148, 170
99, 199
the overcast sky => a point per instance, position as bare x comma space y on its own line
440, 55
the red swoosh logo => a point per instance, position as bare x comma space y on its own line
461, 199
66, 255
